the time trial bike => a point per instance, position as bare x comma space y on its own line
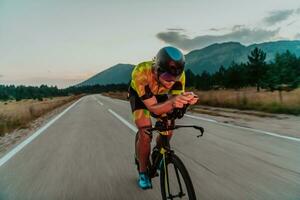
165, 160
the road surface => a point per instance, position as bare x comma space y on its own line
87, 153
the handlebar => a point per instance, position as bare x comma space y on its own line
159, 126
177, 113
162, 125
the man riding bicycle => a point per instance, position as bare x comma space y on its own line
156, 88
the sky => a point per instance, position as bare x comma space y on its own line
63, 42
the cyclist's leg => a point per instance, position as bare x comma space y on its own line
141, 117
142, 120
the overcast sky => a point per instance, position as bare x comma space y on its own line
62, 42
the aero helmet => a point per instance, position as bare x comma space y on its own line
171, 60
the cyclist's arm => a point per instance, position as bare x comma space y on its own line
160, 108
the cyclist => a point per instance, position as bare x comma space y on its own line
156, 88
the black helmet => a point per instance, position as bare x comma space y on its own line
171, 60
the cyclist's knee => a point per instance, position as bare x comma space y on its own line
143, 136
143, 123
170, 134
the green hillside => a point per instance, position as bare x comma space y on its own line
209, 58
116, 74
212, 57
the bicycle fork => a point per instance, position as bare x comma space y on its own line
166, 172
167, 185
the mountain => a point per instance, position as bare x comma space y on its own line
209, 58
212, 57
119, 73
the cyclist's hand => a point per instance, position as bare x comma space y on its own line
180, 100
193, 98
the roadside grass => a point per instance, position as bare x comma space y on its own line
250, 99
17, 115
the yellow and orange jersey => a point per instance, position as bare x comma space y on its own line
144, 82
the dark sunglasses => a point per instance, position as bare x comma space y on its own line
169, 77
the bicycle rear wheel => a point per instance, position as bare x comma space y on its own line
174, 178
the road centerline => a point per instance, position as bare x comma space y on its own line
99, 102
124, 121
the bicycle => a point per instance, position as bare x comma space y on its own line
166, 156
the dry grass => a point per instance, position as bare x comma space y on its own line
15, 115
252, 100
245, 99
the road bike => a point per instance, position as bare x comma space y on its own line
165, 160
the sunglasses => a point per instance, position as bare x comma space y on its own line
168, 77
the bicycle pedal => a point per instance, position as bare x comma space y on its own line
151, 187
153, 175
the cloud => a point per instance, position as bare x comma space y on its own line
238, 27
278, 16
298, 11
217, 29
176, 29
1, 76
238, 33
291, 23
297, 36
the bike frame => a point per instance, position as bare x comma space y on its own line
165, 151
163, 127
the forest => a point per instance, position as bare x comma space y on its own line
283, 73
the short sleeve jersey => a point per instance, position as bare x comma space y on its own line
144, 82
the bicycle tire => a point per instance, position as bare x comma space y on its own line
175, 160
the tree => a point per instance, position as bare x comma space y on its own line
284, 71
256, 67
203, 82
234, 76
219, 77
189, 78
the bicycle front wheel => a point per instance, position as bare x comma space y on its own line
175, 181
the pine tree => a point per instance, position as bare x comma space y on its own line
256, 67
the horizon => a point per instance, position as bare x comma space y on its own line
83, 80
40, 44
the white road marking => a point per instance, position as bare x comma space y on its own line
18, 148
201, 118
129, 125
99, 102
245, 128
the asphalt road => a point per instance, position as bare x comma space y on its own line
88, 154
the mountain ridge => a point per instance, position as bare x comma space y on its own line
119, 73
208, 59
